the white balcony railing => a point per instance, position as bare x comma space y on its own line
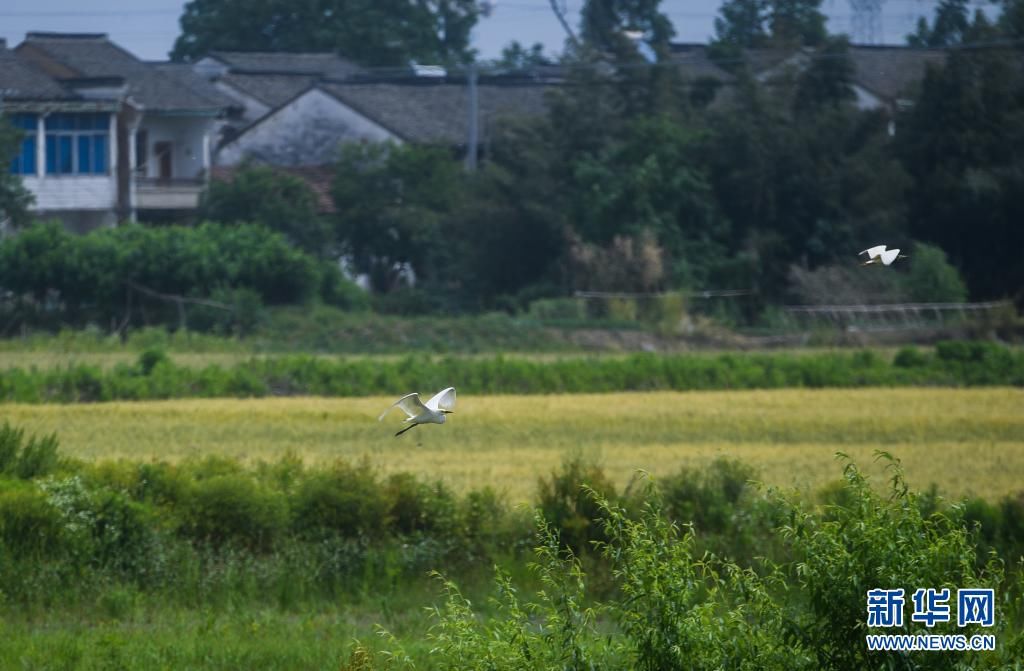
167, 194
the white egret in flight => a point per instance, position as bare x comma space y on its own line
879, 254
431, 412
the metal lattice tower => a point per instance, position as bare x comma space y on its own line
866, 24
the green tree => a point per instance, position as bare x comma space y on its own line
802, 189
391, 203
517, 57
372, 32
14, 199
961, 142
949, 27
828, 80
931, 278
281, 202
745, 24
654, 180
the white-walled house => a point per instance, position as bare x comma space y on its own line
107, 137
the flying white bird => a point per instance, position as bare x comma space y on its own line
431, 412
879, 254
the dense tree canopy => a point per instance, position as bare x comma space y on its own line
763, 23
281, 202
371, 32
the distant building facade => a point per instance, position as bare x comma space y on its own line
107, 137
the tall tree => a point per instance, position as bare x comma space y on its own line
391, 203
14, 199
949, 26
281, 202
745, 24
962, 142
371, 32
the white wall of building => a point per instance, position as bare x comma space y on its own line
72, 192
189, 144
307, 131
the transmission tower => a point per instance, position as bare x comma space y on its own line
866, 24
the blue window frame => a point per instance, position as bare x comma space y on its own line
25, 162
76, 144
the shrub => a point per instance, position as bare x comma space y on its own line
549, 309
29, 524
565, 504
415, 506
932, 279
872, 542
709, 496
233, 509
344, 500
26, 460
909, 357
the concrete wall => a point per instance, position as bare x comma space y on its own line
72, 192
307, 131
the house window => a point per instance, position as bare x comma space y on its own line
24, 162
76, 144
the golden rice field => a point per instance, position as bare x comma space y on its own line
967, 441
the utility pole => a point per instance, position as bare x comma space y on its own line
473, 141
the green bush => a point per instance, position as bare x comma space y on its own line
344, 500
909, 357
233, 509
572, 512
707, 497
340, 292
932, 279
548, 309
415, 506
110, 274
27, 459
29, 524
866, 542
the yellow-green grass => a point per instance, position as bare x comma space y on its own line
967, 441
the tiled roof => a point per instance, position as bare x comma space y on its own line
156, 87
317, 63
892, 71
270, 89
694, 63
437, 113
21, 81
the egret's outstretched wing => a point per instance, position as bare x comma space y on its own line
410, 404
443, 400
872, 252
889, 255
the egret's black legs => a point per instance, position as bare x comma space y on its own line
411, 426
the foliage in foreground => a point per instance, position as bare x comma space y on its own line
676, 608
658, 579
155, 376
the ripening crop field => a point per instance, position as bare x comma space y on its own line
967, 441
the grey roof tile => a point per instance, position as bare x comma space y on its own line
438, 113
891, 72
20, 80
92, 55
270, 89
315, 63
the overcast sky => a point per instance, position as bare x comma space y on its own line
148, 27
